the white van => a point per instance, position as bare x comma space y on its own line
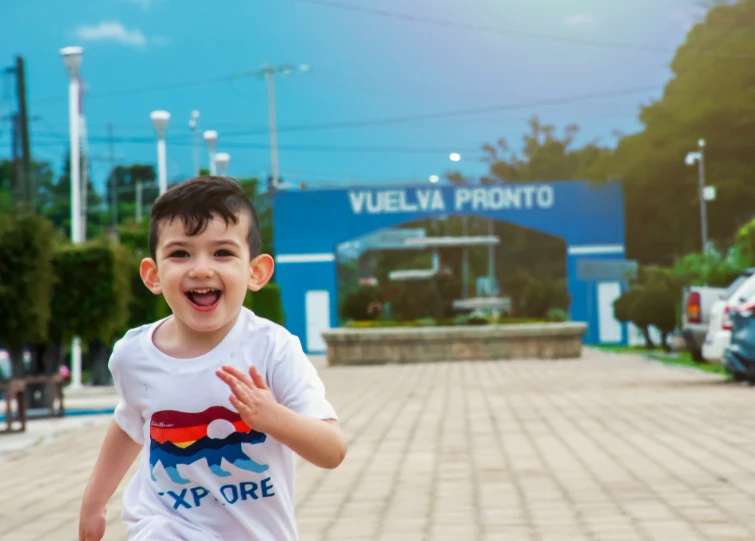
718, 337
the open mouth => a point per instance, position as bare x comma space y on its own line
204, 298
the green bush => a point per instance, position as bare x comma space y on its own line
267, 303
360, 305
744, 244
654, 300
532, 297
26, 279
709, 269
92, 294
557, 315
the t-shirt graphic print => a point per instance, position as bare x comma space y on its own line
214, 434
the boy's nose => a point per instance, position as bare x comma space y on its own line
202, 269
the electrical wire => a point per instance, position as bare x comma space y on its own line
445, 23
439, 115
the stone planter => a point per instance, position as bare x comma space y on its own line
463, 343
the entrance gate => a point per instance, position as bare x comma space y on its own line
309, 224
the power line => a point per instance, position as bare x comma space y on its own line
265, 146
418, 117
146, 89
455, 113
445, 23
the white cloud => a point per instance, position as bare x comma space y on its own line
581, 19
112, 31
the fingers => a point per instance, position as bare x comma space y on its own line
238, 404
253, 379
238, 374
256, 378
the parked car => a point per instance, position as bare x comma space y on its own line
739, 356
697, 302
718, 336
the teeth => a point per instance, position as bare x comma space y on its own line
203, 291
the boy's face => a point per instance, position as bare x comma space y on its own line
204, 278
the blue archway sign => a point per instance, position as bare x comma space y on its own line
309, 224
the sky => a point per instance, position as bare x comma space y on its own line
393, 86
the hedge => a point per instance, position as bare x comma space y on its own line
267, 303
26, 278
91, 297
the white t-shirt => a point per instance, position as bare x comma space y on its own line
204, 474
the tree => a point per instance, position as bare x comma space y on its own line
653, 300
41, 173
546, 157
54, 199
26, 281
710, 97
124, 179
264, 205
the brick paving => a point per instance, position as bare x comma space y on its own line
604, 448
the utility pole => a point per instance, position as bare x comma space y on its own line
270, 76
23, 190
29, 188
139, 201
85, 180
193, 125
113, 179
268, 73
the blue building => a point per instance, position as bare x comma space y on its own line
308, 225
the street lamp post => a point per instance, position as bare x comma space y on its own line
699, 157
222, 159
193, 125
72, 61
211, 139
160, 121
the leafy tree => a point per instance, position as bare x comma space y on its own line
54, 200
545, 157
709, 269
123, 179
710, 97
26, 281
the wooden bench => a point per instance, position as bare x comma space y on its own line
53, 392
15, 390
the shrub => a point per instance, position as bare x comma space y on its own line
361, 304
92, 294
267, 303
557, 315
26, 279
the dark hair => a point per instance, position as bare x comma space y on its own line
196, 201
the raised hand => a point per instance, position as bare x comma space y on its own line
251, 397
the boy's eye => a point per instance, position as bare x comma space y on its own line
179, 253
224, 253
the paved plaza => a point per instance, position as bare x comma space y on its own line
608, 447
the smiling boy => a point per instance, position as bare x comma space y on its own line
217, 399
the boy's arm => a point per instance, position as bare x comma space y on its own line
117, 454
318, 441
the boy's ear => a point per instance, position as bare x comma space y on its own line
260, 271
148, 272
